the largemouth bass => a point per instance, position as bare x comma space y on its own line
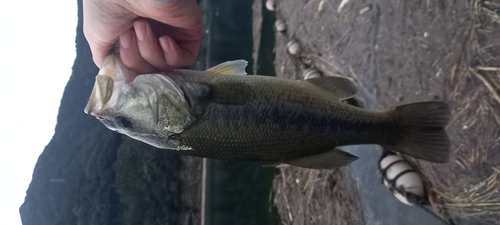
223, 113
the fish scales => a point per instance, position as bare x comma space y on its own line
285, 120
220, 113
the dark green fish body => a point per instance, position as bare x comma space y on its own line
222, 113
278, 120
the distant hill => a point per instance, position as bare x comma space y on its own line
88, 174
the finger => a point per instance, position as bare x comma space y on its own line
130, 55
149, 47
99, 49
177, 55
99, 52
171, 51
95, 48
189, 51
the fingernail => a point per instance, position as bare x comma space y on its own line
165, 45
126, 39
141, 31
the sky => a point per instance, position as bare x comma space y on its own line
37, 50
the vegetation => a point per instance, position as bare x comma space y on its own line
146, 179
88, 174
239, 193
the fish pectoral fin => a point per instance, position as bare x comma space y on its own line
327, 160
236, 67
341, 87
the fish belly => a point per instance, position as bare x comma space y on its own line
279, 132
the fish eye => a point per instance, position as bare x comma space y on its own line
123, 122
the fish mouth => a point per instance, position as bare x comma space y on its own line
101, 94
100, 115
87, 108
110, 77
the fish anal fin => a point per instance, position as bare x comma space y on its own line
236, 67
334, 158
341, 87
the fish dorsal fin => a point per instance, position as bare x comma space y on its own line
236, 67
342, 88
334, 158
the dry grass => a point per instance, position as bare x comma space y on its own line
490, 10
471, 188
256, 32
480, 200
317, 197
468, 186
307, 196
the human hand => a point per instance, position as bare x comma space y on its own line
138, 24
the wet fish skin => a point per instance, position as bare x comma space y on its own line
277, 120
259, 118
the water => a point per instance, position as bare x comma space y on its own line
237, 192
240, 192
381, 207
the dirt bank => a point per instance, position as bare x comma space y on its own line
402, 52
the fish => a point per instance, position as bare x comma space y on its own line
223, 113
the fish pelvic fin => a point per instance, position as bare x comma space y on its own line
423, 133
334, 158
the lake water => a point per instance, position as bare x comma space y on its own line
240, 192
237, 192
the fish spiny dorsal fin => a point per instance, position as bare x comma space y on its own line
342, 88
236, 67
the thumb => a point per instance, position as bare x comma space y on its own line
99, 48
99, 51
101, 30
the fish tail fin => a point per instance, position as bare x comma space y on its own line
423, 132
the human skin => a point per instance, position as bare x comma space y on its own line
154, 35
